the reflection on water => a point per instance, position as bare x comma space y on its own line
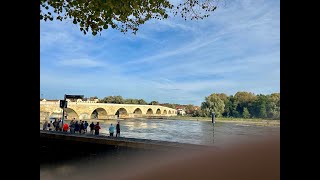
193, 132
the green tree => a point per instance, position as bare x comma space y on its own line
212, 104
124, 15
189, 109
263, 111
236, 114
143, 102
113, 99
242, 97
242, 100
118, 100
196, 113
154, 103
93, 98
223, 97
229, 107
245, 113
273, 106
259, 107
226, 101
173, 106
131, 101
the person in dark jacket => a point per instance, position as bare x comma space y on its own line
86, 124
118, 130
97, 128
91, 128
81, 127
76, 127
56, 125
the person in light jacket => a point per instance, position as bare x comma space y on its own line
111, 130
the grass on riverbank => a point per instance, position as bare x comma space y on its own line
255, 121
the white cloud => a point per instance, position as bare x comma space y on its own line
80, 63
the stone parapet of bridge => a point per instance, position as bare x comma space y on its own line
82, 110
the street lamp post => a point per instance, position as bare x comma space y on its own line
64, 103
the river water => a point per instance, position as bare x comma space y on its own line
193, 132
58, 164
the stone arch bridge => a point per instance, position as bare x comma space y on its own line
82, 110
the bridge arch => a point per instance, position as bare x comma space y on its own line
169, 112
165, 112
137, 111
149, 111
53, 114
99, 113
70, 113
84, 116
158, 111
122, 113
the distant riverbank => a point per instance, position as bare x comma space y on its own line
261, 122
256, 121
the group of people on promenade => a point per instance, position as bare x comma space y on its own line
79, 127
111, 130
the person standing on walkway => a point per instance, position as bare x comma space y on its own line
111, 130
71, 126
91, 128
86, 126
118, 129
50, 126
97, 128
60, 125
56, 125
45, 125
65, 127
81, 127
76, 127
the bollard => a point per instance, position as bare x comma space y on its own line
213, 122
213, 118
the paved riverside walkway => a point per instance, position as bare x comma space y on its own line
120, 141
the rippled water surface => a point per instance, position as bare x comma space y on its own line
55, 161
194, 132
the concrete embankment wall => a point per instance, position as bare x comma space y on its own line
115, 142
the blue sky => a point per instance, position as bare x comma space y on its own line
237, 48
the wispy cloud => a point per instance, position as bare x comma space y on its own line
80, 63
236, 49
